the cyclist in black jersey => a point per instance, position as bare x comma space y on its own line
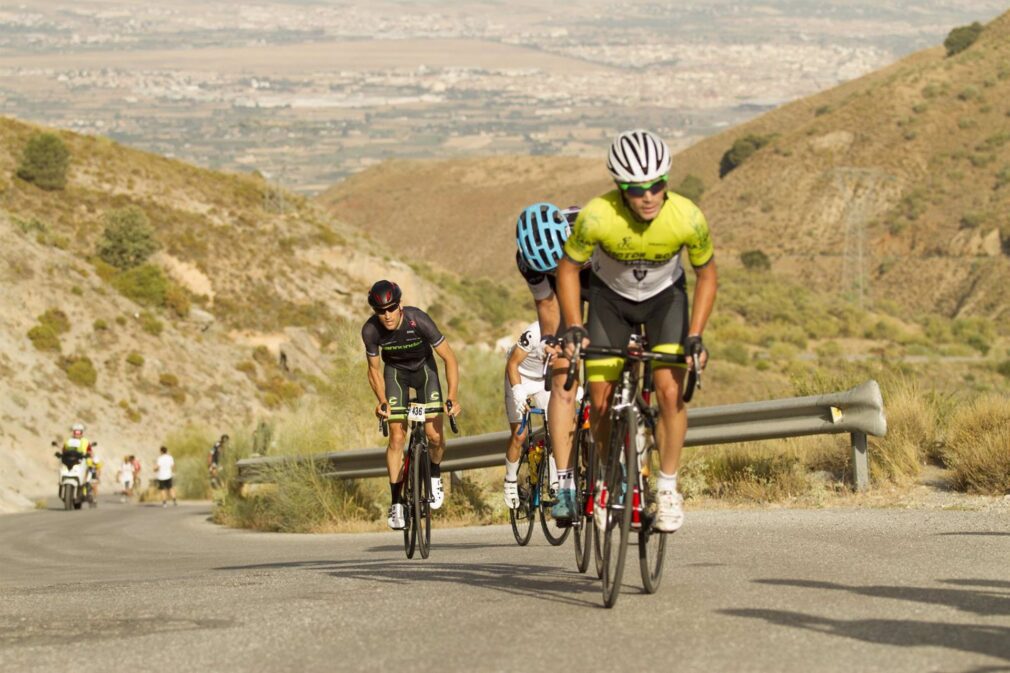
541, 231
404, 338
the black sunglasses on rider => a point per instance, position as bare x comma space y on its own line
386, 309
639, 189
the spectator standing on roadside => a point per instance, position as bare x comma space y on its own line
136, 473
165, 470
126, 478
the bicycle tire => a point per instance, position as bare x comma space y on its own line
523, 516
550, 529
585, 481
422, 500
651, 542
407, 499
619, 482
68, 498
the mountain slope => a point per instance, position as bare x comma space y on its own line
912, 160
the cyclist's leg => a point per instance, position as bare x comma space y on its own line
514, 419
608, 326
666, 324
397, 396
430, 390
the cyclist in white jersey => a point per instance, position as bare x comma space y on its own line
524, 378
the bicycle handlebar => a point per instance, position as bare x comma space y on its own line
384, 424
694, 372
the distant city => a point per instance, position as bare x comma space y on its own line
308, 92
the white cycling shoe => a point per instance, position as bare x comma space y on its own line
437, 493
511, 494
670, 512
396, 519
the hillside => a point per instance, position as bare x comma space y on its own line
914, 160
244, 273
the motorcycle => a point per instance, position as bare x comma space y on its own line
75, 480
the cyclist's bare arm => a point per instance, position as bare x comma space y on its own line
568, 291
378, 384
451, 374
548, 314
704, 299
512, 365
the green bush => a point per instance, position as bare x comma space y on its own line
80, 370
44, 338
961, 38
691, 187
741, 150
100, 325
145, 285
972, 220
168, 380
128, 239
56, 319
734, 352
177, 300
150, 324
755, 260
135, 359
44, 162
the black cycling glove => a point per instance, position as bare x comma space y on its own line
694, 348
575, 334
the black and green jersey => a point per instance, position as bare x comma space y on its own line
407, 346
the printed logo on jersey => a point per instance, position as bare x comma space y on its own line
412, 323
435, 396
640, 274
524, 339
392, 401
625, 243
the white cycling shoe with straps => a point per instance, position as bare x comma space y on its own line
396, 520
670, 511
437, 493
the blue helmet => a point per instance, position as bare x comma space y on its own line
541, 232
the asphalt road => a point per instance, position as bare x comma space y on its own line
128, 587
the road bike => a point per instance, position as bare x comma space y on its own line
416, 489
624, 493
536, 482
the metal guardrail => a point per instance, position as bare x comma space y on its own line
858, 412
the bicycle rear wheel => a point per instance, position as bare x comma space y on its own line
523, 516
407, 499
422, 500
619, 483
651, 543
555, 534
585, 480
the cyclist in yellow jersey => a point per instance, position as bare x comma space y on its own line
633, 237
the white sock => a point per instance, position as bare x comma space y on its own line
566, 479
666, 482
552, 471
511, 470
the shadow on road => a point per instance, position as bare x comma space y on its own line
981, 533
991, 641
977, 602
546, 583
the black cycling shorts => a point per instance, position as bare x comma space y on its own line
423, 380
613, 318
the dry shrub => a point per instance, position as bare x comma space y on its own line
912, 432
977, 447
756, 472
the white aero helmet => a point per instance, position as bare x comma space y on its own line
638, 156
77, 427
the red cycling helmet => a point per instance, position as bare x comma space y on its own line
384, 293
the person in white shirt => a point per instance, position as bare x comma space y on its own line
524, 378
165, 469
126, 478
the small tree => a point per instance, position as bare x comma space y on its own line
756, 260
45, 162
691, 187
961, 38
741, 150
128, 239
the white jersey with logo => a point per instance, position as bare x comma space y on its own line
532, 366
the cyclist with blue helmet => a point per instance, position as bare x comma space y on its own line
541, 232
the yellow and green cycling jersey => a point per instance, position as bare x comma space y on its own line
636, 259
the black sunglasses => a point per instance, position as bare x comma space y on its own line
388, 309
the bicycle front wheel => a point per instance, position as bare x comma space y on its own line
554, 533
422, 500
651, 542
523, 516
409, 520
618, 482
585, 480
